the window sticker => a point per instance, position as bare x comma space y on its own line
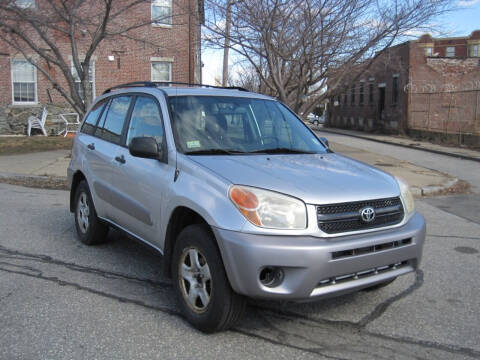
193, 144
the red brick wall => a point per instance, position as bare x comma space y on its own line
134, 57
445, 94
394, 61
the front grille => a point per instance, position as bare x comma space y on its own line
361, 274
345, 217
370, 249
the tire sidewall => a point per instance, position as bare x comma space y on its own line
199, 237
86, 237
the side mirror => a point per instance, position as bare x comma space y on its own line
145, 147
325, 141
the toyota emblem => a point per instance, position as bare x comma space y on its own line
367, 214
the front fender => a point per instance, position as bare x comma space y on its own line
204, 192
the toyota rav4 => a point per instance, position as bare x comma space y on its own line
240, 197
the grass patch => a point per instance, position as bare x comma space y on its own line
29, 144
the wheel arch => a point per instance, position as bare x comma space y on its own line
76, 179
180, 218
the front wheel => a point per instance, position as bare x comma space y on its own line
201, 284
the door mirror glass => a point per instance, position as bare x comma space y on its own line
145, 147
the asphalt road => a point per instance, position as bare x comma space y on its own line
60, 299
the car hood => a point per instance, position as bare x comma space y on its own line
314, 178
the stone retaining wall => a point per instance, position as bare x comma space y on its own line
13, 119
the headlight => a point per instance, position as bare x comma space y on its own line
406, 195
269, 209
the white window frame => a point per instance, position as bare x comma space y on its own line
158, 23
92, 66
429, 51
447, 51
169, 73
35, 86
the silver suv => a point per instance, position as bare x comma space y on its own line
240, 197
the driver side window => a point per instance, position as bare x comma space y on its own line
146, 120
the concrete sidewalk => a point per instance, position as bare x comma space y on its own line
54, 164
458, 152
47, 163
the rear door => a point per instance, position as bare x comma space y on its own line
108, 134
95, 160
141, 183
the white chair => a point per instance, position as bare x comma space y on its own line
36, 123
70, 127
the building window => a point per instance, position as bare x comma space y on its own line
370, 94
352, 95
361, 93
162, 12
395, 90
25, 3
24, 82
161, 71
91, 79
345, 98
429, 51
450, 51
474, 50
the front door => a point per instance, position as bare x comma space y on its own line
141, 183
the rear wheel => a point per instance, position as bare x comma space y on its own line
203, 290
90, 229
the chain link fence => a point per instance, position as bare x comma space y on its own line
452, 115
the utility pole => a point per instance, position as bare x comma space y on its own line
226, 46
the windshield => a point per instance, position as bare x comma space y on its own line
232, 125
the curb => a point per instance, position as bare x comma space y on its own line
432, 190
35, 181
30, 177
458, 156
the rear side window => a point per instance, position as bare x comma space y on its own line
111, 126
145, 120
88, 126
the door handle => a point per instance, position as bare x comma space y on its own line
120, 159
91, 146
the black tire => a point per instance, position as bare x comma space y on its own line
316, 123
380, 285
224, 307
95, 232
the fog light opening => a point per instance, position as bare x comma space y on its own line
271, 276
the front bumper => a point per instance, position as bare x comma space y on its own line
315, 267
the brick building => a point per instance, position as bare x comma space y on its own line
427, 87
24, 89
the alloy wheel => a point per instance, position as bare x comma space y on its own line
195, 279
83, 212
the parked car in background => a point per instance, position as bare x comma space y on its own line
240, 197
315, 119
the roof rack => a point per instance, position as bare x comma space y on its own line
167, 83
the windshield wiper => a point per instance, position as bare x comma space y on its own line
283, 151
213, 152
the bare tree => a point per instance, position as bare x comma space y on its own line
54, 34
296, 45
